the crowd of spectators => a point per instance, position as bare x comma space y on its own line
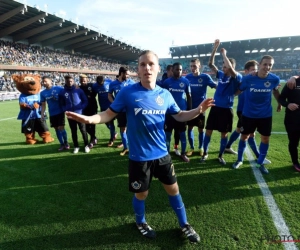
20, 54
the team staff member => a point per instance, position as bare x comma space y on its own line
290, 98
91, 108
146, 104
73, 99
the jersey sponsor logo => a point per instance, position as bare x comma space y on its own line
200, 80
260, 90
159, 100
135, 185
149, 111
176, 90
196, 85
267, 84
137, 100
181, 85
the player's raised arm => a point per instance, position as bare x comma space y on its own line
211, 62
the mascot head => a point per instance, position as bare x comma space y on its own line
28, 84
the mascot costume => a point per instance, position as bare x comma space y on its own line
30, 112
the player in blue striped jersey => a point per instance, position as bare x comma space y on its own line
199, 83
180, 89
257, 111
146, 105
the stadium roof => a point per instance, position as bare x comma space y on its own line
241, 46
24, 23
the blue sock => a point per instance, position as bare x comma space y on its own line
179, 209
124, 139
241, 150
59, 136
206, 143
223, 144
112, 130
263, 149
253, 146
168, 139
191, 138
232, 139
201, 139
139, 210
183, 142
64, 135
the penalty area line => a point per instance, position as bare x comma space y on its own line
277, 217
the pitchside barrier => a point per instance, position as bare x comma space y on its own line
8, 96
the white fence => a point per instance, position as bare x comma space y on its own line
8, 96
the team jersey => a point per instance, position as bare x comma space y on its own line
30, 112
199, 87
145, 110
226, 88
241, 100
178, 89
116, 86
258, 95
102, 90
51, 96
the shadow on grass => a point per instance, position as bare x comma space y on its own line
120, 237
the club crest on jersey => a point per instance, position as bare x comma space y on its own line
181, 85
200, 80
135, 185
159, 101
89, 88
125, 84
267, 84
66, 95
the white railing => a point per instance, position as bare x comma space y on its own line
8, 96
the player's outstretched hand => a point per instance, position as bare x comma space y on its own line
78, 117
207, 103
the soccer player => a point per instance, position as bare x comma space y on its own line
180, 89
74, 99
250, 67
102, 87
146, 105
199, 83
165, 76
257, 112
91, 108
122, 81
50, 95
221, 115
290, 98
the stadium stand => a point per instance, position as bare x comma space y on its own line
285, 50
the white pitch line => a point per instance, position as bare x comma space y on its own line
7, 119
278, 219
278, 133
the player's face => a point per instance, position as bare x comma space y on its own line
69, 82
177, 71
47, 83
125, 76
251, 70
195, 67
148, 68
83, 80
266, 65
170, 72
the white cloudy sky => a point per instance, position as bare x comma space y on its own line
159, 24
